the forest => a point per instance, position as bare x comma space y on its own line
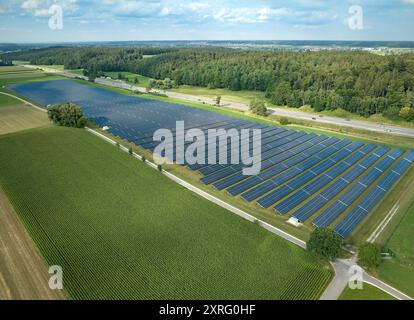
359, 82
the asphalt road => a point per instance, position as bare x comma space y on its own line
342, 277
290, 113
341, 266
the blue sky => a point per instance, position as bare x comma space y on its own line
102, 20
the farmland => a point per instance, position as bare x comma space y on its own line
16, 116
291, 159
121, 230
18, 74
23, 272
397, 272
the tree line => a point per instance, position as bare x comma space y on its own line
359, 82
94, 60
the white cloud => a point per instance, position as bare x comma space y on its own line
41, 13
165, 11
241, 15
196, 6
30, 4
40, 8
253, 15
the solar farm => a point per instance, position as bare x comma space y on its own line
326, 181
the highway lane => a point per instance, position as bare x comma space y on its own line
282, 112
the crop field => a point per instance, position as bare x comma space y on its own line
13, 72
122, 230
16, 116
319, 180
18, 74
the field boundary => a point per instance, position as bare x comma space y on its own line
375, 127
24, 101
208, 196
382, 285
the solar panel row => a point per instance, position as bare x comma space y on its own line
274, 196
316, 171
300, 171
267, 186
264, 175
346, 200
284, 141
322, 181
362, 209
225, 183
290, 148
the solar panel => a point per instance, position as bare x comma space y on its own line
331, 213
308, 190
276, 195
363, 208
295, 165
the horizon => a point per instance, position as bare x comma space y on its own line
62, 21
216, 40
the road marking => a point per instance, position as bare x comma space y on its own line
374, 236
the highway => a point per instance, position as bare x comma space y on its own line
282, 112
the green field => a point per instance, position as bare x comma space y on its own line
369, 292
122, 230
130, 77
16, 116
268, 214
399, 271
62, 68
226, 94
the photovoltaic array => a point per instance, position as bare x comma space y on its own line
335, 182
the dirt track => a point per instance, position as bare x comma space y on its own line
23, 272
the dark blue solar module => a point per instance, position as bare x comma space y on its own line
362, 209
262, 189
299, 171
276, 160
346, 200
309, 190
276, 195
310, 208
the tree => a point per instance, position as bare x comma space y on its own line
152, 83
326, 243
91, 74
218, 100
67, 115
136, 80
281, 94
358, 82
284, 121
369, 255
258, 107
407, 113
168, 84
